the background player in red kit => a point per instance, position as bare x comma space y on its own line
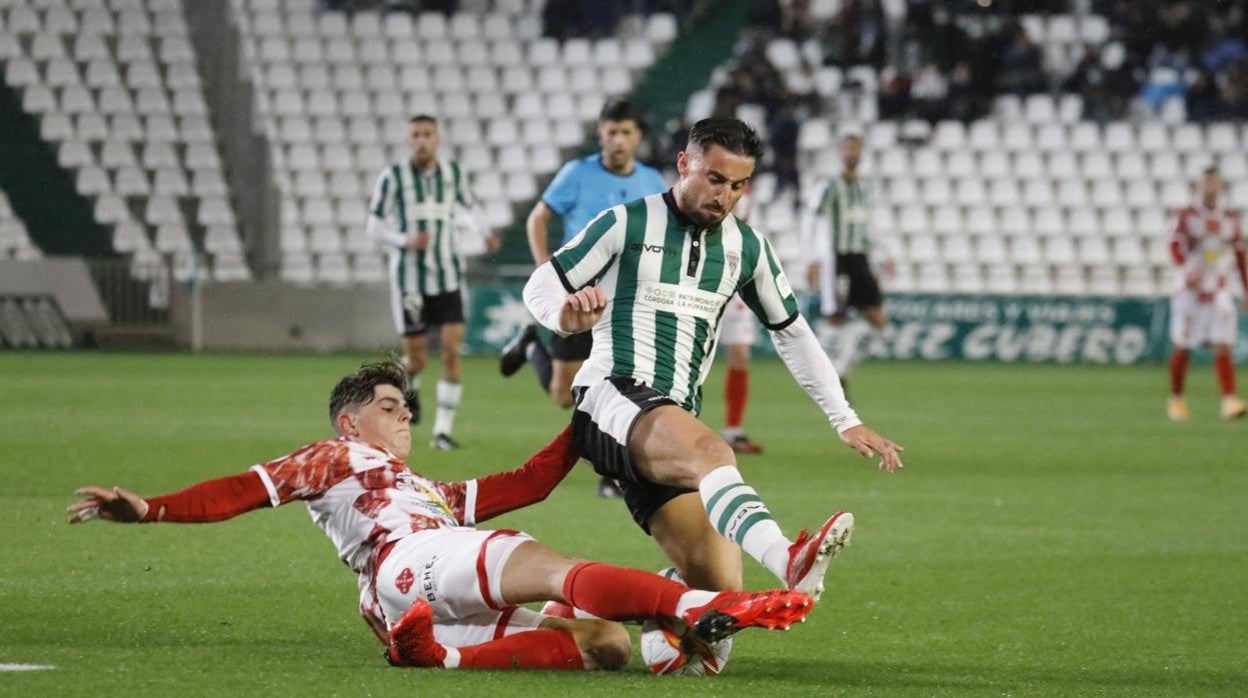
438, 591
1207, 247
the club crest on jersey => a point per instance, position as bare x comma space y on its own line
404, 581
734, 261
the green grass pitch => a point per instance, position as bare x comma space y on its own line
1051, 534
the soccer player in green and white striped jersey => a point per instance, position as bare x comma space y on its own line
651, 278
839, 231
417, 210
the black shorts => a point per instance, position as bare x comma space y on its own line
440, 309
602, 421
863, 288
574, 347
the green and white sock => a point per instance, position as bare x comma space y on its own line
739, 514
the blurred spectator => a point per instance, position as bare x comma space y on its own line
1022, 69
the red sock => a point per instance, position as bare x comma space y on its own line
620, 593
1226, 371
736, 391
535, 649
1178, 370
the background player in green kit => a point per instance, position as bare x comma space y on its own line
417, 209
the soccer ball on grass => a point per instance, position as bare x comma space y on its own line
669, 648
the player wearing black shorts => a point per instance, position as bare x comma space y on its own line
840, 233
417, 208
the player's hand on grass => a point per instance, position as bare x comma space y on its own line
582, 310
116, 504
865, 441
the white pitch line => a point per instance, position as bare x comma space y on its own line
25, 667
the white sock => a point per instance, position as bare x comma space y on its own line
738, 514
452, 658
413, 382
731, 433
448, 401
692, 599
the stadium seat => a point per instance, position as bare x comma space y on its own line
90, 127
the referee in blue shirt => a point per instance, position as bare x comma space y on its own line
582, 189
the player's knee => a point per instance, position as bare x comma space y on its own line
415, 364
710, 452
562, 398
606, 642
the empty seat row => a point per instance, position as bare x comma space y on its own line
22, 20
101, 73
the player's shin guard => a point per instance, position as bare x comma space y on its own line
449, 395
535, 649
1225, 369
620, 593
738, 514
1178, 370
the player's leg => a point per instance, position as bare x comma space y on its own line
415, 356
705, 559
562, 372
511, 638
568, 354
405, 311
671, 447
446, 312
1223, 333
1181, 333
450, 388
864, 294
535, 572
737, 332
736, 394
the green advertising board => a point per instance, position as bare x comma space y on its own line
1029, 329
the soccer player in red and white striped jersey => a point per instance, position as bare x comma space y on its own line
435, 589
1207, 248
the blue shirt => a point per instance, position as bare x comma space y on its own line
583, 188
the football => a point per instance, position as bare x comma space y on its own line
669, 648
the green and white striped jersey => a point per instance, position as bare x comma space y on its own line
438, 203
844, 213
668, 282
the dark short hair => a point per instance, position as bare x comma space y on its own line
1211, 169
851, 137
356, 389
422, 117
620, 110
732, 135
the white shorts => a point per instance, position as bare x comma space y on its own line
738, 325
458, 571
1194, 324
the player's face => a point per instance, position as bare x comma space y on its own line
619, 141
422, 138
851, 153
1209, 187
385, 421
711, 182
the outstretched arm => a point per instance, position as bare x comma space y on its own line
800, 350
532, 482
208, 501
